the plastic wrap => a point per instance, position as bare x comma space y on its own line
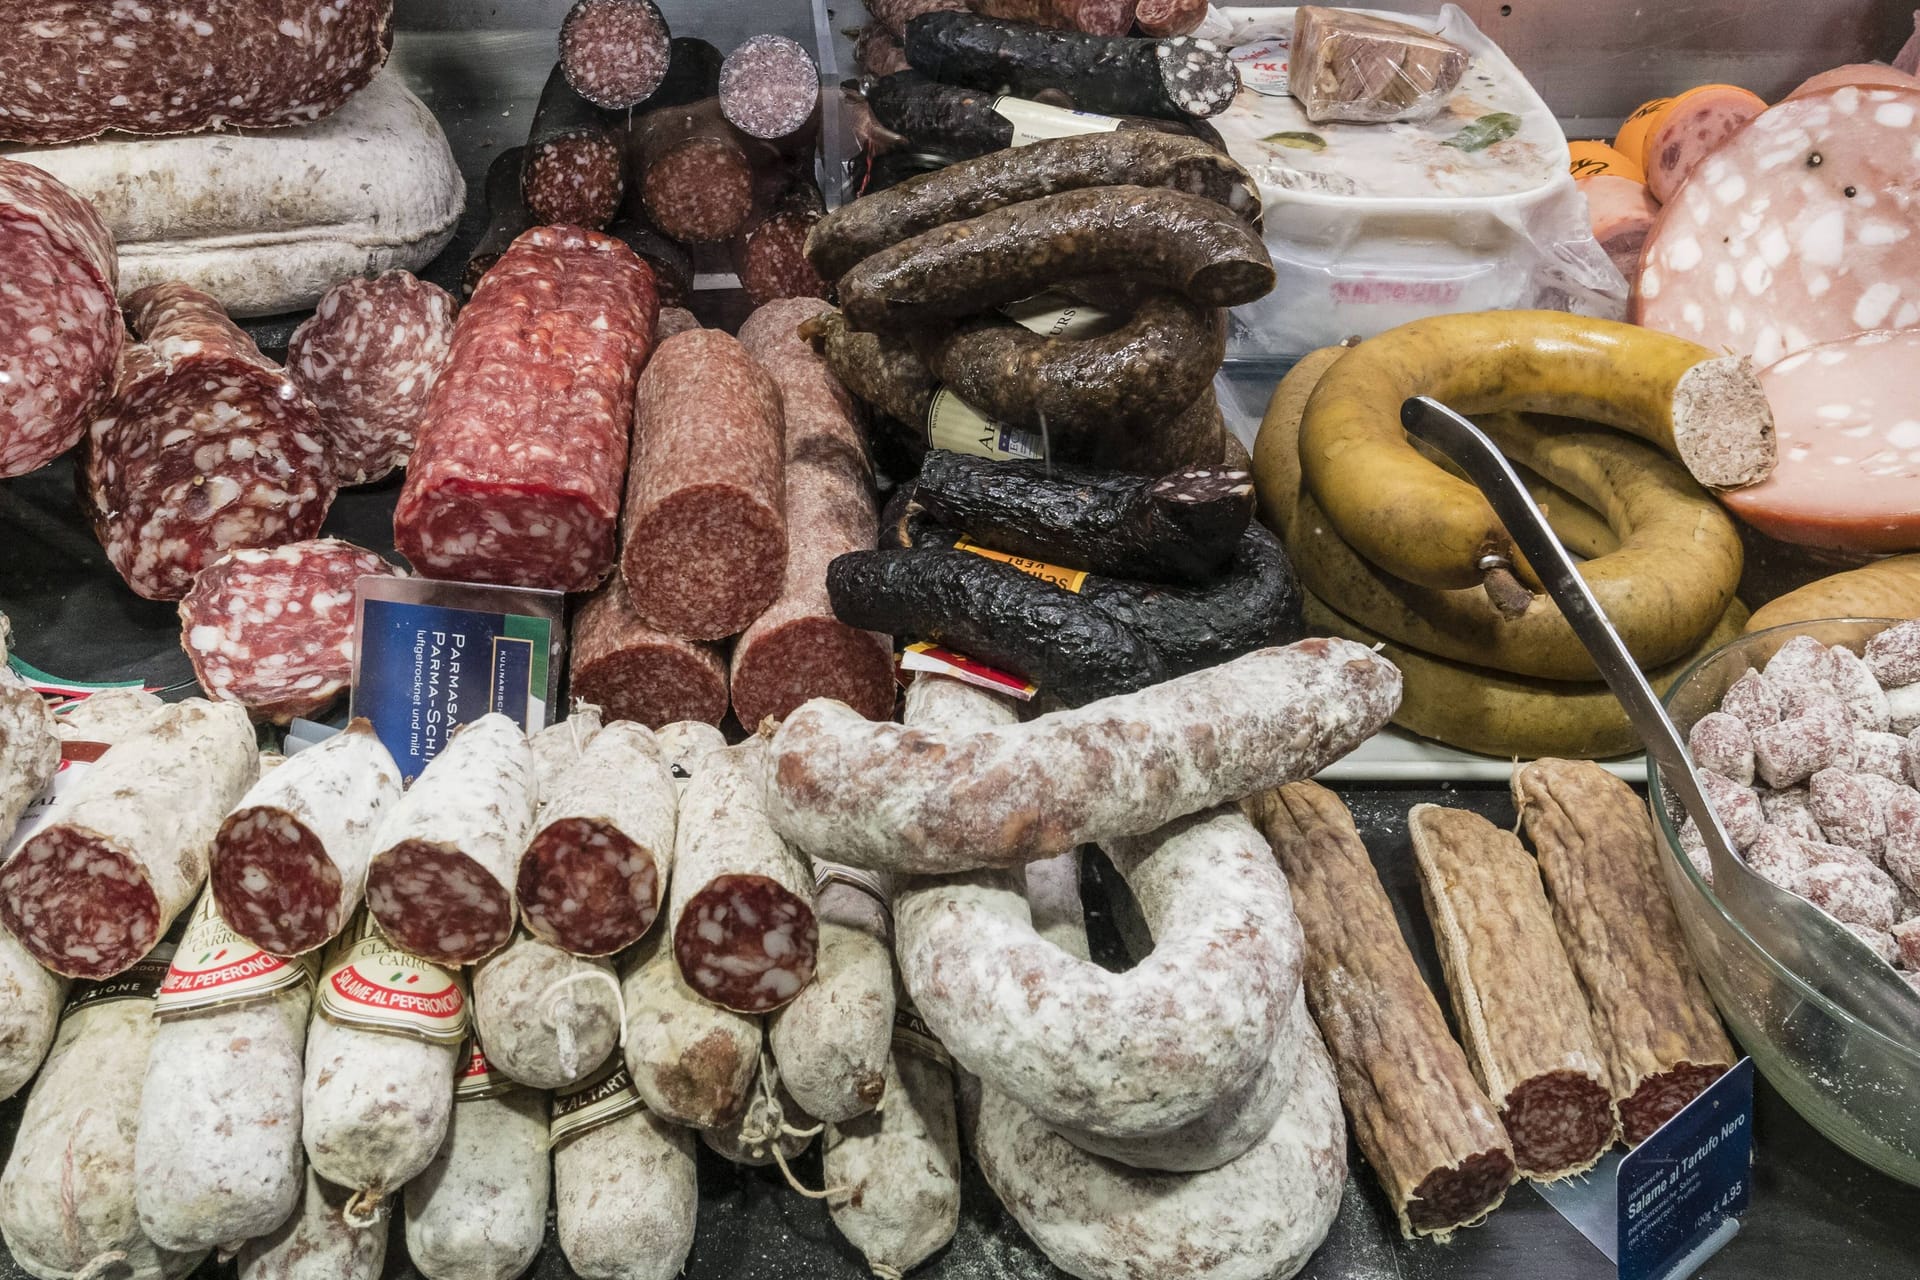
1353, 66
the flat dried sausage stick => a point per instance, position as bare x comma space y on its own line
545, 1018
638, 672
769, 87
705, 531
233, 65
625, 1195
797, 649
1523, 1018
317, 1240
1423, 1123
591, 879
893, 798
692, 1062
125, 850
479, 1211
271, 628
205, 446
440, 881
368, 357
507, 216
60, 330
571, 172
833, 1040
741, 912
1655, 1021
29, 747
511, 480
615, 52
696, 176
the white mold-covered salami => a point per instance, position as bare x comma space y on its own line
741, 912
29, 748
684, 743
125, 850
625, 1198
558, 747
110, 716
774, 1127
893, 797
480, 1209
290, 862
592, 876
546, 1018
441, 879
317, 1241
692, 1062
374, 1109
30, 1002
832, 1042
1258, 1218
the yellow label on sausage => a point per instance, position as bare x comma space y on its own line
1071, 579
1631, 141
1597, 159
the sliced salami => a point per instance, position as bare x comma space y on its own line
696, 178
125, 850
705, 527
272, 628
290, 862
60, 330
368, 357
206, 446
1690, 129
479, 1211
615, 52
769, 87
591, 879
638, 672
692, 1062
571, 173
1794, 232
441, 878
517, 468
317, 1240
770, 256
545, 1018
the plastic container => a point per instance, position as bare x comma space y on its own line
1853, 1084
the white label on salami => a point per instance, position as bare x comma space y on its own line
605, 1095
213, 966
921, 656
1054, 315
1264, 64
955, 425
826, 873
1036, 121
368, 982
914, 1036
138, 983
476, 1078
75, 759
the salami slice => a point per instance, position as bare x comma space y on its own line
1794, 232
317, 1240
517, 467
290, 862
546, 1018
224, 64
591, 879
1690, 128
571, 173
124, 851
705, 527
205, 447
615, 52
696, 179
441, 878
60, 330
639, 673
692, 1062
769, 87
272, 629
368, 357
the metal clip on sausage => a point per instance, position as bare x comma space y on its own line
1792, 930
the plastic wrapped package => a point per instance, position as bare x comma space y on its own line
1373, 225
1356, 67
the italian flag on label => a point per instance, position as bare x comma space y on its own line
62, 692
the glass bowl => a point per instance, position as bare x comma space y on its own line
1852, 1083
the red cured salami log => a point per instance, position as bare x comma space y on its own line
206, 446
696, 177
441, 878
60, 330
368, 357
316, 1240
832, 1042
1621, 214
769, 87
591, 879
125, 850
290, 862
741, 913
547, 1019
517, 467
770, 256
625, 1196
272, 629
1789, 234
896, 798
692, 1062
571, 172
615, 52
1848, 417
234, 64
797, 649
639, 673
705, 532
1697, 123
480, 1209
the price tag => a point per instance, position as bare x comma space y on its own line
1680, 1193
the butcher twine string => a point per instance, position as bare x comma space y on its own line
766, 1124
365, 1208
552, 996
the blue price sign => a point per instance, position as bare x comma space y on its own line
1683, 1188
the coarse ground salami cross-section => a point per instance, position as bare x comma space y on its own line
368, 357
571, 173
615, 52
272, 629
696, 177
60, 330
638, 672
205, 446
517, 468
769, 87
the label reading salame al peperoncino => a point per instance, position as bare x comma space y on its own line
213, 965
368, 982
1036, 121
913, 1035
476, 1077
140, 982
605, 1095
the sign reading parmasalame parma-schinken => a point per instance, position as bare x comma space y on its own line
432, 656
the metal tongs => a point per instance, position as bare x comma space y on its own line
1806, 940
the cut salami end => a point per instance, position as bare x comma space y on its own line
700, 190
812, 657
1662, 1097
82, 905
769, 87
573, 180
639, 673
615, 51
587, 888
1462, 1195
1848, 413
1560, 1122
1722, 426
698, 541
438, 902
273, 881
746, 943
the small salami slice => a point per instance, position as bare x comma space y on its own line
743, 927
441, 879
1169, 17
368, 358
1696, 123
571, 171
615, 52
770, 256
769, 87
696, 179
206, 446
638, 672
273, 629
60, 330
